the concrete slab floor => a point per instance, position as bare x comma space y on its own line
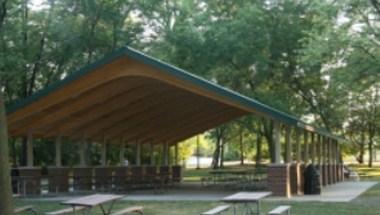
340, 192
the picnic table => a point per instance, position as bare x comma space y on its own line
248, 199
93, 201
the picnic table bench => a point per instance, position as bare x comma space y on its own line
27, 208
217, 210
128, 210
280, 210
64, 211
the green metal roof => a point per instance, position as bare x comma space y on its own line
250, 103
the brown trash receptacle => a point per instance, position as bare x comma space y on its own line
82, 178
30, 180
58, 179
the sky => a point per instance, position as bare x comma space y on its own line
37, 4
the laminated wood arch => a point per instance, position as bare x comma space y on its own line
131, 96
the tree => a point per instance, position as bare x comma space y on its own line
6, 200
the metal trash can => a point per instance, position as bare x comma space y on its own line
312, 180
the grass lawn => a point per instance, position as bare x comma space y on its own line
366, 204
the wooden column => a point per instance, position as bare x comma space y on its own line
104, 152
30, 151
198, 153
176, 161
324, 161
298, 146
335, 162
58, 151
276, 142
151, 154
313, 146
122, 152
82, 153
328, 161
319, 150
166, 154
306, 146
138, 154
289, 149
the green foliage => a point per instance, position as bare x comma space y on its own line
317, 60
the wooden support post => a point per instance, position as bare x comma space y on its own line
166, 154
198, 153
313, 148
289, 149
324, 161
138, 154
58, 151
30, 151
306, 147
82, 153
176, 161
298, 146
122, 152
151, 154
328, 161
276, 142
319, 150
104, 152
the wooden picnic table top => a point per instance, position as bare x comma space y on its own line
92, 200
242, 197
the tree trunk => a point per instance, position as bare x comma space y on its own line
370, 152
360, 157
216, 155
241, 148
6, 200
268, 133
3, 12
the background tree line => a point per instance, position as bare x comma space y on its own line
317, 60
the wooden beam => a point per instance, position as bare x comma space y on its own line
75, 104
115, 104
186, 130
159, 124
138, 112
201, 126
102, 75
